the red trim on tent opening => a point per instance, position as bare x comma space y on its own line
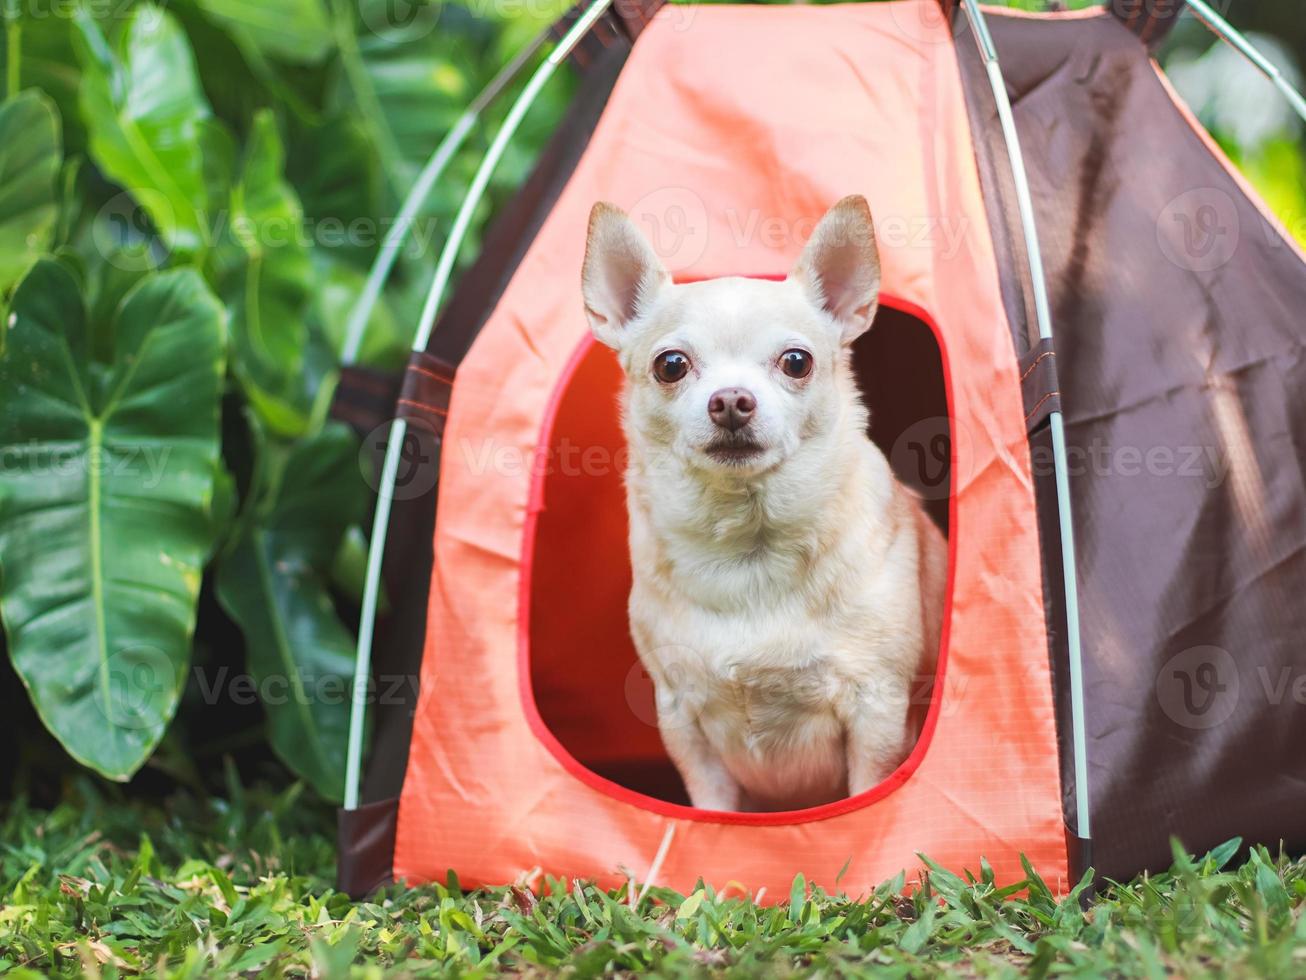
634, 798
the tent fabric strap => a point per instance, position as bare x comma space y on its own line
426, 391
364, 398
365, 847
1039, 386
368, 398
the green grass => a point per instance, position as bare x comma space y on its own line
244, 887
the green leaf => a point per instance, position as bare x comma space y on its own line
917, 934
145, 112
274, 584
266, 280
224, 506
797, 897
336, 172
47, 56
1271, 889
298, 31
690, 906
108, 281
30, 158
105, 509
113, 239
267, 225
409, 82
1222, 855
349, 570
384, 343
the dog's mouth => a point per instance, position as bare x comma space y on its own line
734, 451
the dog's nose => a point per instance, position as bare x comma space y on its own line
732, 408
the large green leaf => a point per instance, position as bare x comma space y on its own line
273, 582
29, 163
267, 282
386, 343
410, 82
47, 54
291, 30
408, 75
336, 172
145, 112
105, 517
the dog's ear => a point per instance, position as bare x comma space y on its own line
620, 276
840, 267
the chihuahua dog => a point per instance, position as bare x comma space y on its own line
787, 590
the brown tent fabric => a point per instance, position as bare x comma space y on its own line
1177, 310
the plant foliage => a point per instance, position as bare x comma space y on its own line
191, 195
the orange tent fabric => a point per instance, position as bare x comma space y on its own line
728, 156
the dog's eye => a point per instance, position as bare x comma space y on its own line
796, 363
670, 366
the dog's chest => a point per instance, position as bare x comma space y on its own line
772, 642
771, 701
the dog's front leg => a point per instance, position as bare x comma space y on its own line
876, 740
710, 785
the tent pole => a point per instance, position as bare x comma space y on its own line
452, 245
1238, 41
421, 190
367, 620
394, 446
980, 29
